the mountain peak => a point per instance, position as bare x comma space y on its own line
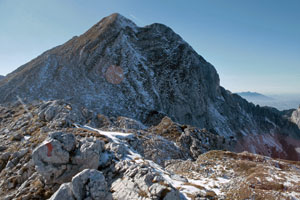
107, 27
119, 69
116, 20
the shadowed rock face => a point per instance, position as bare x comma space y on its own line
143, 73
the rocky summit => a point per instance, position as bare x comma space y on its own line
126, 112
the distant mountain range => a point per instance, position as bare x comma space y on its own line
281, 102
1, 77
254, 95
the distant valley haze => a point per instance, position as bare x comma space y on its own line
279, 101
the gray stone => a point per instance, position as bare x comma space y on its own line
118, 149
141, 181
63, 193
50, 113
68, 140
58, 159
156, 189
90, 183
178, 178
88, 155
174, 195
127, 123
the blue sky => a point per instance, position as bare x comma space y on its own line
254, 45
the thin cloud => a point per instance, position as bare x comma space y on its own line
136, 19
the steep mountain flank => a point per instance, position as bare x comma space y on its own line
145, 73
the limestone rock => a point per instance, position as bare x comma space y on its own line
61, 114
61, 156
64, 192
88, 184
170, 140
296, 117
91, 183
88, 155
141, 181
118, 149
127, 123
160, 150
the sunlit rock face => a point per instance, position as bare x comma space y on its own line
145, 73
296, 117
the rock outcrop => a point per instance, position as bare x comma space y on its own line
88, 184
295, 117
60, 156
170, 140
141, 181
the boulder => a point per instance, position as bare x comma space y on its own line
141, 181
64, 192
91, 183
88, 184
61, 156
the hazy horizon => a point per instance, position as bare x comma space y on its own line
254, 46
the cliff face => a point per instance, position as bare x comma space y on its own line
146, 73
296, 117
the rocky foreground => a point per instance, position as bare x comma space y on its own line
55, 150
